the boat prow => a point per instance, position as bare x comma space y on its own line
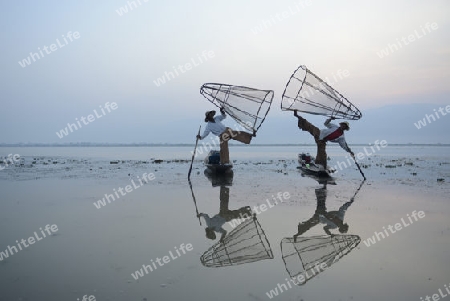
308, 166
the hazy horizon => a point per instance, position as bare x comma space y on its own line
136, 67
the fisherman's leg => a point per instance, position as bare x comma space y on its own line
305, 125
321, 157
243, 137
224, 199
224, 152
321, 196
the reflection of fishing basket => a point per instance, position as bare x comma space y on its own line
305, 255
246, 243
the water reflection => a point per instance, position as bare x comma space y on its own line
244, 244
246, 241
307, 256
219, 179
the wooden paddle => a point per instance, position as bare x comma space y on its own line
193, 154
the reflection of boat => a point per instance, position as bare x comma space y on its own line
244, 244
308, 166
212, 162
219, 179
320, 180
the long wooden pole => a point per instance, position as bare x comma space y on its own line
357, 165
360, 169
195, 202
193, 154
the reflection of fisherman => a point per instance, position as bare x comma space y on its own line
215, 224
216, 127
331, 220
333, 133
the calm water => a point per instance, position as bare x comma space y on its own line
96, 251
238, 152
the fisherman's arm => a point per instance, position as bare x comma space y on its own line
305, 226
327, 122
224, 233
205, 133
344, 145
222, 116
327, 230
205, 217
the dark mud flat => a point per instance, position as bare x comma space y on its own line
96, 251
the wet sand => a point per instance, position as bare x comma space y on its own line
95, 251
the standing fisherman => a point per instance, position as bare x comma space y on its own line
333, 133
216, 127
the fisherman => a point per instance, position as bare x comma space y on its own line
216, 127
215, 224
331, 220
333, 133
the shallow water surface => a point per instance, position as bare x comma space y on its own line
297, 225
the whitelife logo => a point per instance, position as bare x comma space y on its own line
48, 50
31, 241
258, 209
430, 118
280, 16
169, 75
110, 197
10, 160
131, 5
161, 261
90, 118
398, 226
391, 48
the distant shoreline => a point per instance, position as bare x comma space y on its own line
184, 145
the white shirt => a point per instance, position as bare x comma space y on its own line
216, 127
331, 127
215, 223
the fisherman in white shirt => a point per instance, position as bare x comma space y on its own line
332, 220
216, 127
333, 133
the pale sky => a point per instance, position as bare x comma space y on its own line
117, 58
